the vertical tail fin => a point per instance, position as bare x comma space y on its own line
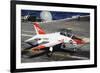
38, 29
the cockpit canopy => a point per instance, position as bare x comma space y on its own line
66, 32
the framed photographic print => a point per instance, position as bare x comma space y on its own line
52, 36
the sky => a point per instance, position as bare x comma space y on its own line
55, 14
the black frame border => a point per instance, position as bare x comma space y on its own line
13, 36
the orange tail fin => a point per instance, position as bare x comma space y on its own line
38, 29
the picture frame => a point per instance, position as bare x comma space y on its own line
16, 7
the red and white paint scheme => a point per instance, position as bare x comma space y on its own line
49, 40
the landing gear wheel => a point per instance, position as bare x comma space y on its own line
49, 54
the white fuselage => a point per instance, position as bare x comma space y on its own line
49, 40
